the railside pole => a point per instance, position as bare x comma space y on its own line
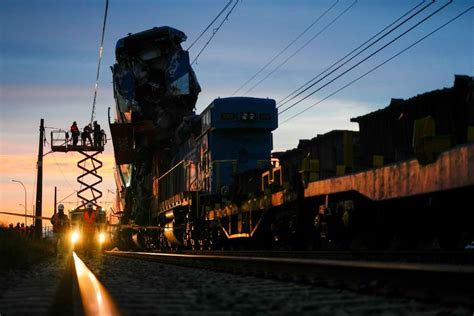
55, 198
39, 184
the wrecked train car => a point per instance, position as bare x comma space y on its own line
154, 89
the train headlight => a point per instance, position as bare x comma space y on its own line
74, 237
101, 238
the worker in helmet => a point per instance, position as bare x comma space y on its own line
89, 228
61, 227
97, 134
75, 133
86, 135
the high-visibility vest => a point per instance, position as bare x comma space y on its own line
89, 221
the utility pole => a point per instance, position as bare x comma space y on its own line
55, 198
39, 184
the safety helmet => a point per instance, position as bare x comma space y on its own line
89, 205
60, 207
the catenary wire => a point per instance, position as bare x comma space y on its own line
214, 32
61, 170
286, 100
284, 49
366, 58
101, 49
74, 191
380, 65
210, 24
302, 47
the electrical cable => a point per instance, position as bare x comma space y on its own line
301, 48
283, 102
366, 58
210, 24
101, 49
61, 170
381, 64
74, 191
214, 32
284, 49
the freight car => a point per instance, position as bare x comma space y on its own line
211, 181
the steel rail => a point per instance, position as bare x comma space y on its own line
447, 282
464, 256
94, 297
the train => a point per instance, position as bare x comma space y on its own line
212, 180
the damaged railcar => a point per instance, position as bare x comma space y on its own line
153, 79
154, 89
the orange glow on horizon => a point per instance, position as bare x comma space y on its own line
59, 169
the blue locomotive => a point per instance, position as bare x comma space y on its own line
231, 136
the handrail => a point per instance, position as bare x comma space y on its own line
169, 171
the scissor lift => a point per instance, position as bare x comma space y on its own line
61, 142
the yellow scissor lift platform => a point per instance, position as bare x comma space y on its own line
61, 142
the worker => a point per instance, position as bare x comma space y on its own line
86, 135
61, 227
97, 135
89, 229
74, 133
18, 228
23, 229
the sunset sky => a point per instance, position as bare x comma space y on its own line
49, 50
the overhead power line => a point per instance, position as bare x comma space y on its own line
292, 94
61, 170
214, 31
302, 47
74, 191
101, 49
381, 64
366, 58
287, 46
210, 24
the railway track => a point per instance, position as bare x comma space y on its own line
465, 257
81, 293
449, 283
175, 284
